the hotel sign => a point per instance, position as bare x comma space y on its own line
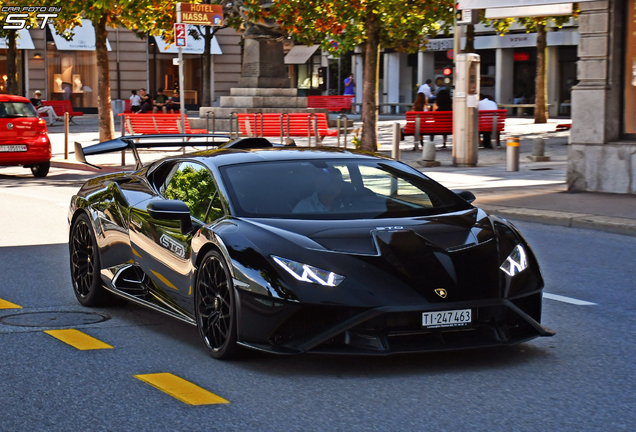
200, 14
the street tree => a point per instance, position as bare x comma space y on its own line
538, 25
341, 25
138, 15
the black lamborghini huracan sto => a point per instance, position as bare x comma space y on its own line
292, 250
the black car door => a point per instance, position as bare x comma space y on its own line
161, 249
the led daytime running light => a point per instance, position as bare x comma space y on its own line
516, 262
307, 273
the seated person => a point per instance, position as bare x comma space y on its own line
37, 103
174, 104
329, 185
144, 101
160, 102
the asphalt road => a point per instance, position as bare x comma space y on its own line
581, 379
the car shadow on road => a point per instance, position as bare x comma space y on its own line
20, 177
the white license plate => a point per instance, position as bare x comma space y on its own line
13, 148
451, 318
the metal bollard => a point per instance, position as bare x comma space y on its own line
512, 154
395, 152
66, 132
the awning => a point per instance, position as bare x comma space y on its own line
299, 54
83, 38
23, 41
193, 46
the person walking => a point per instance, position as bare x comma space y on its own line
486, 104
426, 89
134, 101
350, 85
41, 108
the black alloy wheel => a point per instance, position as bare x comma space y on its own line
85, 264
215, 310
40, 170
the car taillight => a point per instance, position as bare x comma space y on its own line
41, 126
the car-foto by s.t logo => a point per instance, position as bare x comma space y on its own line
17, 16
172, 245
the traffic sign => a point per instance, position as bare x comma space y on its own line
180, 38
450, 54
200, 14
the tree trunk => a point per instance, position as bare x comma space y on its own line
370, 82
470, 39
206, 96
12, 82
105, 112
540, 111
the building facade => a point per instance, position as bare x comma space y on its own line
602, 154
63, 69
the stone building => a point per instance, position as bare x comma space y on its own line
602, 155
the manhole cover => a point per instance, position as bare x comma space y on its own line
53, 319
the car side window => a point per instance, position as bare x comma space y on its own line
192, 183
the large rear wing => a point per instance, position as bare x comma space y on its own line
136, 142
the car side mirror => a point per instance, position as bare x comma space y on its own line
467, 196
171, 210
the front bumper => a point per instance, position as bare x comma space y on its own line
397, 329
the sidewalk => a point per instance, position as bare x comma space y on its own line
535, 193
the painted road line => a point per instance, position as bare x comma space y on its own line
8, 305
181, 389
567, 300
77, 339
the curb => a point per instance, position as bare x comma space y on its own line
610, 224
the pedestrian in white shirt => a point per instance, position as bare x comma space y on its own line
486, 104
426, 89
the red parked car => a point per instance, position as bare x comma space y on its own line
23, 138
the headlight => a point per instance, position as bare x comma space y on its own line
516, 261
307, 273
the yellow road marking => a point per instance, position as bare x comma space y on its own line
77, 339
8, 305
163, 279
136, 253
181, 389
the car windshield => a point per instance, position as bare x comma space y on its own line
17, 109
335, 189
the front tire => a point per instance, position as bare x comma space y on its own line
85, 264
41, 170
215, 308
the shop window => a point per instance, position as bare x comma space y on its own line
72, 75
3, 70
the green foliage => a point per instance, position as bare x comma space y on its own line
339, 25
194, 187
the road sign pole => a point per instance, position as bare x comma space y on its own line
181, 84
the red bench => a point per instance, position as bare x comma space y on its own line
150, 124
60, 107
332, 103
127, 106
441, 122
293, 125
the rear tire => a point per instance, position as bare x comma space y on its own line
215, 308
86, 264
41, 170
